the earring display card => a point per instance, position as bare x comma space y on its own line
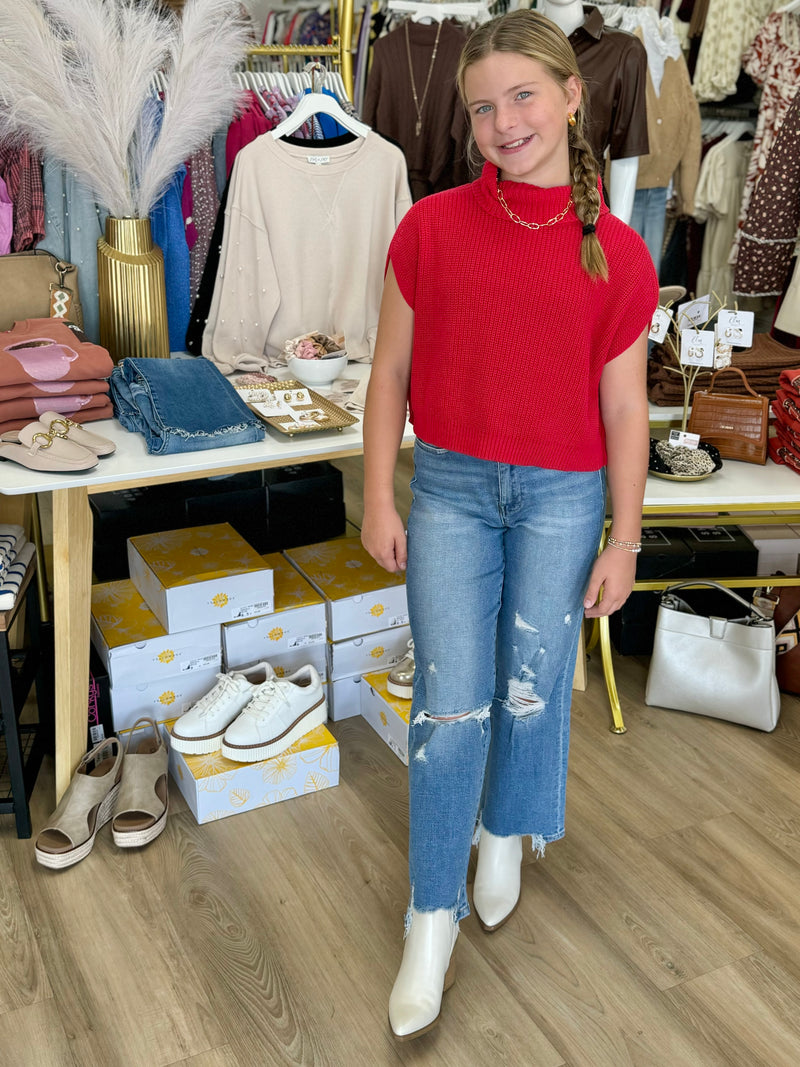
736, 328
697, 348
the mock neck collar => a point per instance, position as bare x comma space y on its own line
531, 202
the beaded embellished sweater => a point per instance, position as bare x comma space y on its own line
510, 334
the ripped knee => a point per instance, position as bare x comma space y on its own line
476, 715
522, 699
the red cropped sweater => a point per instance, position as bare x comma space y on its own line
510, 334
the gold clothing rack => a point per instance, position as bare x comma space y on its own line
340, 49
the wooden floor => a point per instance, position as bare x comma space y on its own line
663, 931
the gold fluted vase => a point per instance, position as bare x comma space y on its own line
132, 290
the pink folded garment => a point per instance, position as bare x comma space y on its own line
48, 350
54, 389
105, 411
31, 407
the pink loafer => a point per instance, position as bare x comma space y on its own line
65, 428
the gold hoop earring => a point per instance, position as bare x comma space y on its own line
571, 119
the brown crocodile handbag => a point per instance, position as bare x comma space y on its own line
735, 425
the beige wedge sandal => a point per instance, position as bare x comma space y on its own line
87, 805
140, 813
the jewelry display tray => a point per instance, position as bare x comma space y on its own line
334, 417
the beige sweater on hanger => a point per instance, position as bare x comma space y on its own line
307, 230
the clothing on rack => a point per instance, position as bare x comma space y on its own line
21, 171
730, 27
6, 220
200, 188
773, 61
770, 229
169, 233
613, 64
717, 199
436, 155
304, 247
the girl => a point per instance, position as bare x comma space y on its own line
514, 323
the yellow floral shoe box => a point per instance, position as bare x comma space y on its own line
200, 575
370, 652
360, 595
297, 626
387, 714
215, 787
165, 698
135, 647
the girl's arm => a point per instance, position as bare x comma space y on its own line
383, 534
625, 415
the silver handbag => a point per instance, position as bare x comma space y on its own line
724, 668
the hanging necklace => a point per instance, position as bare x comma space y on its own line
521, 222
419, 106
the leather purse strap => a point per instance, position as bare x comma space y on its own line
751, 608
736, 370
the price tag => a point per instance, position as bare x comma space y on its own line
659, 325
697, 348
694, 312
683, 439
736, 328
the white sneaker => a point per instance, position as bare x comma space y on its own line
282, 710
199, 730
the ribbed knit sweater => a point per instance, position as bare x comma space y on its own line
510, 334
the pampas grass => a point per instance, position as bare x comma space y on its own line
76, 77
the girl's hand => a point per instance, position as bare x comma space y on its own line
614, 573
384, 537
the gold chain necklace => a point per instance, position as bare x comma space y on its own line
419, 106
529, 225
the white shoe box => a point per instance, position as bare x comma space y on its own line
215, 787
387, 714
344, 697
361, 597
164, 698
369, 652
294, 633
200, 575
778, 548
133, 645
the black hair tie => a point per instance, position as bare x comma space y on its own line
589, 228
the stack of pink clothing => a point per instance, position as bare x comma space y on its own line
784, 447
48, 365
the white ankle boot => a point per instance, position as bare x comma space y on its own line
495, 893
424, 975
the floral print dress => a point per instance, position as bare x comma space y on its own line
773, 62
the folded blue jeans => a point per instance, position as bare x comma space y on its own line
499, 559
181, 405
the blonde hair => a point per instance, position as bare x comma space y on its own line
527, 33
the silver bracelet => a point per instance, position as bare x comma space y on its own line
625, 546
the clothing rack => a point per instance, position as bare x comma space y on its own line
340, 49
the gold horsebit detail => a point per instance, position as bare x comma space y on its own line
48, 437
530, 225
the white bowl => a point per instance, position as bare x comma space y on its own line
316, 371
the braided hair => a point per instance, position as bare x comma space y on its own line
527, 33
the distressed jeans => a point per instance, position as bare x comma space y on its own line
499, 558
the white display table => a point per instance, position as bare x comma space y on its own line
738, 487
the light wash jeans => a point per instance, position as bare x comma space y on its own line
649, 219
499, 558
